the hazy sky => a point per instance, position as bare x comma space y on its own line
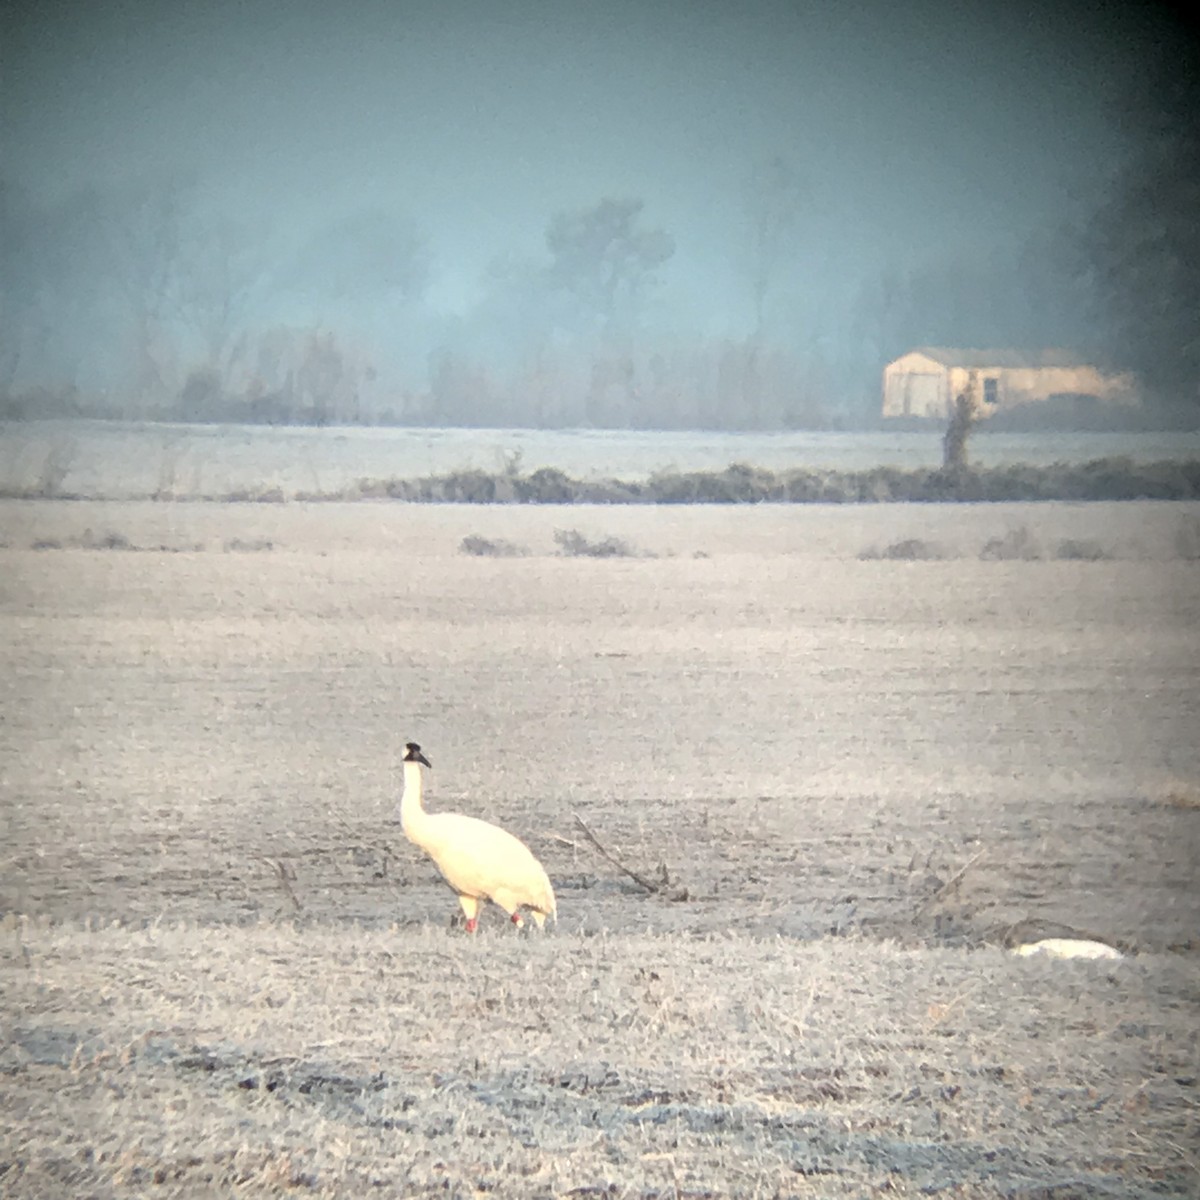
918, 129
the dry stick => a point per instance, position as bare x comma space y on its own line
281, 872
652, 888
385, 848
340, 818
951, 883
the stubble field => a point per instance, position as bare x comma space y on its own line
853, 782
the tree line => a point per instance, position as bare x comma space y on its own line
146, 302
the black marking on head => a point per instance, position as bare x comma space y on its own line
413, 754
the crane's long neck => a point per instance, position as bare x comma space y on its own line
412, 811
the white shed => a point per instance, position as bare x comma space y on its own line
925, 381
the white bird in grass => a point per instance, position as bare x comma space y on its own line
480, 861
1068, 948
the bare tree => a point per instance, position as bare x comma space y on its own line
963, 418
606, 262
145, 242
607, 265
221, 263
774, 203
187, 276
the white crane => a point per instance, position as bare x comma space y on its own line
480, 861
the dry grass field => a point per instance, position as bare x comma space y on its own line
857, 751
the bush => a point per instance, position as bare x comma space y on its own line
469, 487
271, 495
1017, 545
547, 485
907, 550
572, 544
737, 484
482, 547
106, 541
1081, 550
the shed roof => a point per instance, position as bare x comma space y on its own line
954, 356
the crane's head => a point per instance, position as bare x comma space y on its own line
412, 753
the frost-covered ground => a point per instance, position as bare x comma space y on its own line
116, 459
223, 970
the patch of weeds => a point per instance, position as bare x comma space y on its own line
906, 550
247, 545
1187, 539
469, 487
482, 547
547, 485
572, 544
1081, 550
87, 540
105, 541
385, 489
1017, 545
739, 483
271, 495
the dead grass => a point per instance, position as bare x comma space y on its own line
1016, 545
223, 969
906, 550
113, 540
109, 540
405, 1061
1081, 550
573, 544
482, 547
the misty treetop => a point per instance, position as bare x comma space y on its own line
144, 301
606, 262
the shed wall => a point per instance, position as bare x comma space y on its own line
915, 385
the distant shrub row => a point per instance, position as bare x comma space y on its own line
1017, 545
118, 541
1102, 479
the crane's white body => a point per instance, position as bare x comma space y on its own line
480, 861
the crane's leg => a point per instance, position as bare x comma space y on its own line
504, 900
470, 907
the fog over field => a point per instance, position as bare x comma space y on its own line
533, 214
